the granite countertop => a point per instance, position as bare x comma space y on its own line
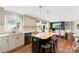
16, 33
9, 34
44, 35
27, 31
1, 35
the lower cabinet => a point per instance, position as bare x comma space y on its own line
4, 44
35, 45
27, 37
20, 40
16, 41
11, 42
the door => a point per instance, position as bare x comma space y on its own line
4, 44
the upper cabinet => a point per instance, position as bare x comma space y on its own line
43, 26
69, 26
1, 16
76, 27
29, 21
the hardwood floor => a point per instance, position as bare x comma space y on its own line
64, 46
24, 49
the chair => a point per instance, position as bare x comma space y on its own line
76, 43
53, 42
46, 47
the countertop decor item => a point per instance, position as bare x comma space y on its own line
18, 25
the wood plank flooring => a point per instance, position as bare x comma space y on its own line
24, 49
64, 46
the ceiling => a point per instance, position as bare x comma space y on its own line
49, 13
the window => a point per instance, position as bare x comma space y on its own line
56, 25
78, 26
12, 23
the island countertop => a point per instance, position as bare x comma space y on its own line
44, 35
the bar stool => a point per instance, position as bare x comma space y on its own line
53, 43
76, 43
52, 46
46, 47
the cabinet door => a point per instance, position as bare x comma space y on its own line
3, 44
27, 38
1, 16
20, 39
12, 42
35, 45
16, 41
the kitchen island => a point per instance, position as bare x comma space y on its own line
39, 39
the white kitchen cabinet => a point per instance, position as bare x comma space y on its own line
8, 43
20, 40
12, 41
29, 23
1, 16
4, 44
69, 26
16, 41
